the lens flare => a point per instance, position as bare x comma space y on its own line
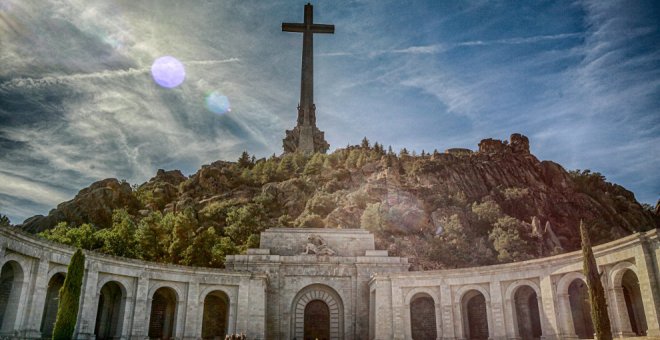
218, 103
168, 72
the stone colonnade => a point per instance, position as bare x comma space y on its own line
537, 299
123, 298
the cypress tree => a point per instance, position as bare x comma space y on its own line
67, 310
596, 292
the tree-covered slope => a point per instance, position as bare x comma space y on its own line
452, 209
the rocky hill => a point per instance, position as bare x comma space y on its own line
451, 209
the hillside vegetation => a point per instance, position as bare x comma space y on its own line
443, 210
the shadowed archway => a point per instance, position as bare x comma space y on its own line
475, 315
527, 313
216, 315
109, 314
11, 282
578, 296
163, 314
50, 306
422, 317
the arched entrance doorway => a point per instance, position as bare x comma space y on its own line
317, 321
50, 307
216, 315
11, 281
109, 314
578, 296
422, 318
163, 313
527, 313
634, 305
317, 310
475, 315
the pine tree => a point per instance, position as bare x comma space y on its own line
596, 292
67, 310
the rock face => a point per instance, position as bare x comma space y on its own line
407, 201
93, 204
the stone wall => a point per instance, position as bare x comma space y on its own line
369, 295
40, 260
549, 278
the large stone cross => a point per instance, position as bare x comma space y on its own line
306, 137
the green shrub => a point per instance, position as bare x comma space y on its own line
67, 310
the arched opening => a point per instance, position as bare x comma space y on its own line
317, 321
109, 314
475, 315
578, 296
527, 313
50, 307
163, 313
11, 279
216, 315
634, 305
310, 319
422, 318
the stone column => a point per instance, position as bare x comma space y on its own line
141, 315
648, 286
511, 321
88, 302
33, 324
438, 320
566, 317
193, 326
242, 315
548, 310
383, 328
257, 309
446, 310
496, 322
397, 310
180, 316
619, 313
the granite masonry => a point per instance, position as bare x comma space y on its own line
327, 284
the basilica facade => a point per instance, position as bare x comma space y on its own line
327, 284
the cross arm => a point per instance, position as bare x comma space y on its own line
315, 28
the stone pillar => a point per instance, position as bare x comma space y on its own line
242, 313
648, 286
257, 309
383, 328
398, 309
88, 302
180, 316
548, 310
496, 322
33, 324
141, 315
193, 326
566, 317
616, 304
511, 321
126, 313
446, 310
438, 320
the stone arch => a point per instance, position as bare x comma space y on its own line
52, 302
474, 302
579, 308
628, 302
163, 312
423, 317
215, 314
12, 279
110, 310
523, 314
325, 295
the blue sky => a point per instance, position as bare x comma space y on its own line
78, 104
